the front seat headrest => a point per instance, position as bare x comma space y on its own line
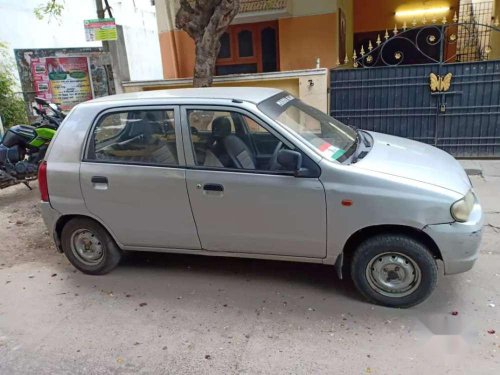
221, 127
240, 154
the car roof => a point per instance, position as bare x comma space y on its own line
247, 94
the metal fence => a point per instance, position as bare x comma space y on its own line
463, 120
474, 33
430, 83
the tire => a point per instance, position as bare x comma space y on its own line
394, 270
89, 247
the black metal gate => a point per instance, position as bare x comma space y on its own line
454, 106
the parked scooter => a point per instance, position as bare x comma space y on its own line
23, 147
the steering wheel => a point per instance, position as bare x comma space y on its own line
273, 162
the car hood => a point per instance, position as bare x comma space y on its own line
416, 161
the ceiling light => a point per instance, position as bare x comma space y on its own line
422, 11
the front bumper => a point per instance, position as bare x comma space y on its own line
50, 217
458, 242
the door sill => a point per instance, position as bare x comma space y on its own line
231, 254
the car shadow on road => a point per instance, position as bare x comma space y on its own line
318, 276
237, 276
206, 284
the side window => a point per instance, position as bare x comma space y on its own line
254, 127
202, 120
143, 137
223, 139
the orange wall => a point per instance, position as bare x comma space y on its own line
370, 15
303, 39
177, 54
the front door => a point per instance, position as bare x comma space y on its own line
241, 203
133, 178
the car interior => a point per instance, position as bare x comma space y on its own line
138, 136
231, 140
220, 139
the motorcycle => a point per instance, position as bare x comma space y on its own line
23, 147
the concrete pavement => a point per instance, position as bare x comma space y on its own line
171, 314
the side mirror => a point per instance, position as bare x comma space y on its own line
290, 160
37, 110
41, 102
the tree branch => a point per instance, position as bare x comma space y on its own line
52, 9
205, 22
228, 9
108, 8
185, 19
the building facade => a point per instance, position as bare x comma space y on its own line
20, 29
266, 36
287, 35
293, 44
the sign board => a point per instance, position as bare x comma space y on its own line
84, 69
62, 80
100, 29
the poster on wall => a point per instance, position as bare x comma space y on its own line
33, 67
62, 80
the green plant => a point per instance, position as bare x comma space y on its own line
12, 107
52, 8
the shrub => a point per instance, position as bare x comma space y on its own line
12, 107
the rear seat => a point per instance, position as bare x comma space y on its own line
165, 154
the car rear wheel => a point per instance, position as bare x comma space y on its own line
394, 270
89, 247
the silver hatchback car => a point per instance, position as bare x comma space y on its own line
256, 173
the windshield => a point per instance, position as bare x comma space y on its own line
326, 135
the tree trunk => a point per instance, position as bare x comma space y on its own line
205, 23
207, 51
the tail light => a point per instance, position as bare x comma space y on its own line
42, 181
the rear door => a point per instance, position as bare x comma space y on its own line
133, 178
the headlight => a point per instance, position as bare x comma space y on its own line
461, 209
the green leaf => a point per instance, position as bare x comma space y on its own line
12, 106
52, 9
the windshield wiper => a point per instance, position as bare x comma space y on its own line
360, 152
364, 138
355, 154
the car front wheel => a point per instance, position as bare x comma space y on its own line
394, 270
89, 247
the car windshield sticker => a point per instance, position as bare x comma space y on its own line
285, 100
330, 151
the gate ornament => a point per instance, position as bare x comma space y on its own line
440, 83
452, 42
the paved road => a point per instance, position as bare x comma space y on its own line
159, 314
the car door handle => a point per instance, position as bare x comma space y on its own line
213, 187
99, 180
